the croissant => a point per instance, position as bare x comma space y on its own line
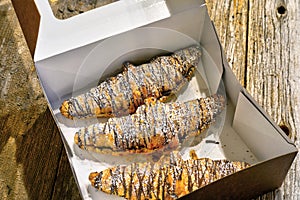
170, 179
154, 126
125, 92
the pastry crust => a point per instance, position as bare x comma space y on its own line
166, 179
124, 93
154, 126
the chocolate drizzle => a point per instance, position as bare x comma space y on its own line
124, 93
167, 179
153, 126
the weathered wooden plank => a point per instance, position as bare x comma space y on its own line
32, 159
230, 19
29, 160
64, 9
65, 186
30, 146
273, 72
272, 68
38, 151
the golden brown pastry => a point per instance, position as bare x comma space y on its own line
168, 179
124, 93
154, 125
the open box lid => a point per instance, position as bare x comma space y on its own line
48, 36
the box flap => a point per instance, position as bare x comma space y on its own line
248, 183
259, 134
29, 19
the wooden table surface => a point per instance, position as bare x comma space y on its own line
262, 43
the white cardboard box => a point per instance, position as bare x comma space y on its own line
70, 55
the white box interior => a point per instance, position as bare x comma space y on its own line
247, 135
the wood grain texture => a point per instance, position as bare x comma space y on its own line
270, 63
230, 19
65, 186
260, 38
273, 72
31, 149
